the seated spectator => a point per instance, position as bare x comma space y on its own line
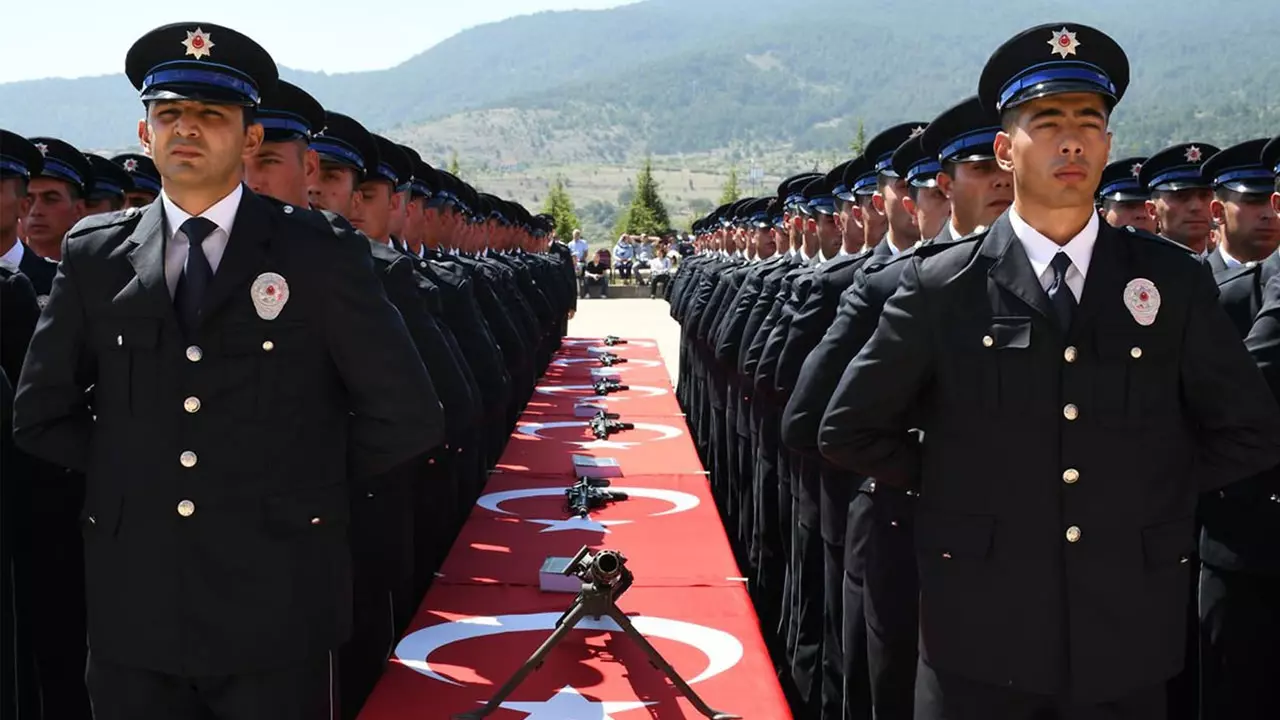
644, 253
624, 252
659, 271
596, 274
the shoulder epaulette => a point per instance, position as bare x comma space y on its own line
1135, 233
101, 221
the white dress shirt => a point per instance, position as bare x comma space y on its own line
1226, 257
221, 213
13, 258
1041, 251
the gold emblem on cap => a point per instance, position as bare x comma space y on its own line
198, 43
1064, 43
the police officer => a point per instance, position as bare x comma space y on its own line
977, 189
1052, 346
1180, 195
244, 366
1122, 199
144, 176
108, 187
20, 161
924, 200
57, 203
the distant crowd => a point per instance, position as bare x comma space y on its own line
645, 260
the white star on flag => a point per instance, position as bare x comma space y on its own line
577, 523
568, 704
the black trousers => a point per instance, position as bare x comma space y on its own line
945, 696
856, 676
808, 583
891, 602
1239, 644
305, 691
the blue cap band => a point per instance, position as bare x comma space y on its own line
287, 122
224, 77
339, 150
54, 167
106, 186
1251, 172
928, 169
863, 182
823, 201
1183, 173
885, 164
388, 173
14, 166
143, 182
1122, 185
984, 138
1056, 72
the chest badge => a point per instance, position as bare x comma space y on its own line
270, 292
1143, 300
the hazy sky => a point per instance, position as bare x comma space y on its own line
74, 38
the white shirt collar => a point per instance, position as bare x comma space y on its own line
951, 225
13, 258
222, 213
893, 249
1226, 257
1041, 251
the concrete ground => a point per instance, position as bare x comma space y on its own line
631, 318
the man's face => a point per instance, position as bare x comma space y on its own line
52, 212
414, 221
766, 245
901, 221
15, 203
874, 223
1056, 148
1182, 215
979, 191
932, 210
399, 214
1249, 225
282, 170
196, 144
828, 235
334, 189
139, 198
1129, 212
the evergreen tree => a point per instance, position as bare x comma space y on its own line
731, 193
646, 215
860, 140
560, 206
454, 170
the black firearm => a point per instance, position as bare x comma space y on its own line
604, 387
590, 494
605, 424
612, 340
609, 359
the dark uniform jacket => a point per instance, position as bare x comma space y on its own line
217, 464
1058, 472
40, 271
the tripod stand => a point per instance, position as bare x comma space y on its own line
604, 578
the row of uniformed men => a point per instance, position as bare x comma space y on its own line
787, 289
478, 286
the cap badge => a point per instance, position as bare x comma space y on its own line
916, 132
1064, 43
42, 301
1193, 154
1143, 300
44, 149
1136, 169
130, 165
270, 292
198, 43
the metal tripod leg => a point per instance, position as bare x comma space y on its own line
570, 619
660, 663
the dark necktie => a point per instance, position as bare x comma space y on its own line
1060, 296
195, 277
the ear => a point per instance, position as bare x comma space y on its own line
1004, 151
253, 136
1275, 202
910, 205
1218, 210
311, 166
944, 185
1151, 210
144, 137
395, 200
24, 206
877, 202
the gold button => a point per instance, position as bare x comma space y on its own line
988, 341
1070, 354
191, 404
1073, 534
194, 353
268, 345
1071, 476
1135, 353
1071, 412
186, 508
188, 459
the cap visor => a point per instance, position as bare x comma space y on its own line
1058, 87
200, 93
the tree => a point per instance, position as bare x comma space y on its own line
731, 193
860, 140
646, 215
560, 206
454, 170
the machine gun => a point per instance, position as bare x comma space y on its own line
612, 340
609, 359
590, 494
605, 424
604, 387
